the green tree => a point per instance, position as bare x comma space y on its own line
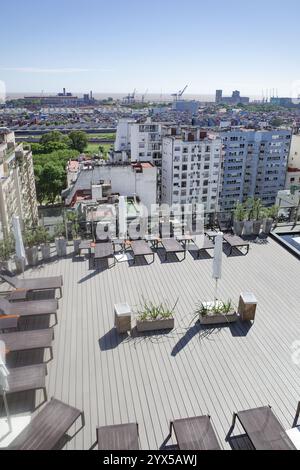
53, 136
79, 140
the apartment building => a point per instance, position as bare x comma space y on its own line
293, 173
123, 135
191, 162
17, 184
255, 165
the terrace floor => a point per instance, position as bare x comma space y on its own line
190, 371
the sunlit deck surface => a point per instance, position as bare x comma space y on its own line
152, 379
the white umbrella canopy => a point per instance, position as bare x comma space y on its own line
217, 261
19, 245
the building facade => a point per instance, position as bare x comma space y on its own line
293, 173
191, 162
17, 183
255, 165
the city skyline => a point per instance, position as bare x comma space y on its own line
249, 48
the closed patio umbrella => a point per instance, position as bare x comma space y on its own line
122, 221
217, 261
19, 245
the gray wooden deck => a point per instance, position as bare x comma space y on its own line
190, 371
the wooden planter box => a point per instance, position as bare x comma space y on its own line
154, 325
213, 319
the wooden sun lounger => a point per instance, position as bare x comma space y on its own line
195, 433
30, 308
35, 284
141, 248
263, 429
118, 437
206, 245
28, 340
236, 242
48, 427
104, 250
28, 378
9, 322
171, 245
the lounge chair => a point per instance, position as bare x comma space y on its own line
104, 250
263, 429
28, 378
206, 245
31, 308
9, 322
195, 433
172, 246
34, 284
28, 340
236, 242
141, 248
118, 437
47, 429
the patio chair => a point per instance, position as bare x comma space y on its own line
234, 241
28, 340
195, 433
141, 248
34, 284
118, 437
27, 378
30, 308
47, 429
263, 429
171, 245
206, 245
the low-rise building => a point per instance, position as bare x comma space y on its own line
17, 184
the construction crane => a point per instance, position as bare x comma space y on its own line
179, 94
143, 97
130, 98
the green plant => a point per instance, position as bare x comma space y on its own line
42, 235
239, 212
150, 311
272, 212
30, 237
215, 308
6, 248
59, 230
257, 209
72, 217
249, 208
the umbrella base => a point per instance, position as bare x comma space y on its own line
18, 424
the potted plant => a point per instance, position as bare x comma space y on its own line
257, 216
270, 215
211, 313
153, 317
238, 218
73, 218
6, 249
31, 246
248, 223
43, 239
60, 240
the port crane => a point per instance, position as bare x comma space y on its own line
179, 94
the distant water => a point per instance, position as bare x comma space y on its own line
155, 97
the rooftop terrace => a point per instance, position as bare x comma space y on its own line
191, 371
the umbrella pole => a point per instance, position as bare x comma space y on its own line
216, 291
7, 412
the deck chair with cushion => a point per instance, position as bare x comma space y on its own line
104, 250
48, 428
195, 433
171, 245
28, 340
141, 248
34, 284
31, 308
263, 429
118, 437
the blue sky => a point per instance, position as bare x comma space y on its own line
160, 45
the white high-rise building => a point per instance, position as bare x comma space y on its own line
123, 135
191, 163
17, 184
